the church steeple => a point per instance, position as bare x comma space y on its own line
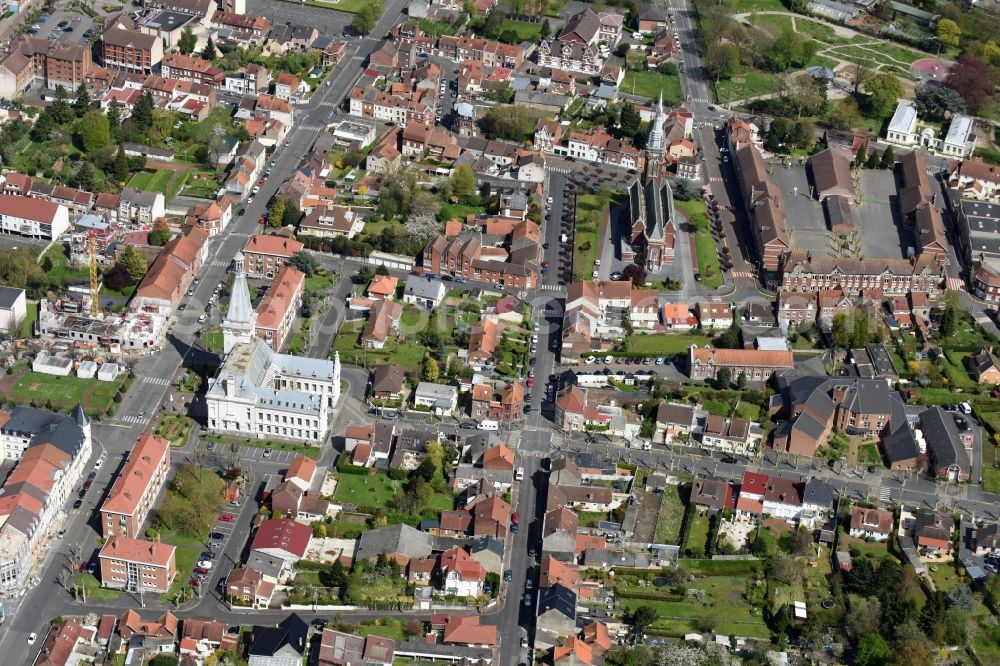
241, 319
657, 140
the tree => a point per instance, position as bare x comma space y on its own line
187, 41
806, 95
950, 317
515, 123
724, 378
114, 113
82, 102
303, 261
133, 263
485, 192
422, 227
971, 78
292, 213
84, 178
785, 570
948, 32
209, 53
884, 91
120, 168
629, 120
801, 541
667, 68
960, 597
685, 190
872, 162
276, 216
643, 617
845, 114
635, 273
888, 160
365, 20
160, 234
546, 30
872, 651
93, 131
938, 102
722, 60
864, 68
43, 127
431, 372
463, 181
364, 274
60, 109
142, 113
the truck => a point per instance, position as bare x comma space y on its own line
487, 424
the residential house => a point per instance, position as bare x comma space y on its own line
732, 435
714, 314
674, 422
437, 398
172, 272
264, 255
424, 293
387, 382
948, 455
140, 207
870, 524
383, 318
135, 490
713, 494
460, 574
248, 587
495, 403
984, 367
283, 645
137, 565
466, 630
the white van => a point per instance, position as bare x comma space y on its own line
488, 425
520, 474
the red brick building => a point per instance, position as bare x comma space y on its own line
137, 565
133, 493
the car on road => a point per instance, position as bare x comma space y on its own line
531, 382
616, 276
467, 425
729, 460
200, 570
141, 413
527, 600
513, 529
32, 637
205, 564
61, 533
508, 575
206, 556
202, 318
234, 502
533, 361
68, 29
516, 517
217, 536
77, 504
267, 452
527, 409
226, 518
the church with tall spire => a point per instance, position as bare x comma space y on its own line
260, 393
241, 319
657, 138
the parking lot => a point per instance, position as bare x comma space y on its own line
221, 451
63, 26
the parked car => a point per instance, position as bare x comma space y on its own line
508, 575
32, 637
226, 518
200, 570
267, 452
205, 564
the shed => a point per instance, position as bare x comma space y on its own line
108, 372
86, 370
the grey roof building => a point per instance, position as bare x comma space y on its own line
283, 645
400, 541
426, 293
947, 454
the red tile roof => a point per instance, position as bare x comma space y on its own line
143, 551
28, 208
272, 245
284, 534
280, 297
140, 469
466, 630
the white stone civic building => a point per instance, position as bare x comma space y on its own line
262, 394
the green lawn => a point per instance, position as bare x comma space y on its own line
819, 31
663, 344
448, 212
317, 284
944, 576
590, 210
649, 84
201, 189
371, 491
526, 32
349, 6
696, 212
698, 536
590, 518
953, 365
212, 339
408, 354
64, 392
991, 474
750, 84
176, 428
722, 595
56, 264
668, 521
93, 588
868, 453
437, 28
164, 181
30, 317
744, 6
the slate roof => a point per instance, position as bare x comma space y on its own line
269, 641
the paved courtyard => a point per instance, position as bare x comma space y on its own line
875, 217
737, 531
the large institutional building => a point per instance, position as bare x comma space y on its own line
263, 394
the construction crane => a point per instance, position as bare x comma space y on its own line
92, 261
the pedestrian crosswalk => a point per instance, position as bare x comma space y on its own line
956, 284
549, 287
983, 320
743, 274
884, 494
130, 419
158, 381
240, 234
560, 169
220, 263
715, 179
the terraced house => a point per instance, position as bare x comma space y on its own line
136, 488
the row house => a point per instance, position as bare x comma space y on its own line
279, 307
248, 167
599, 146
570, 56
250, 80
975, 179
425, 139
514, 265
808, 503
487, 51
214, 217
243, 29
191, 68
736, 436
595, 310
139, 206
504, 405
764, 204
579, 410
170, 275
290, 88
